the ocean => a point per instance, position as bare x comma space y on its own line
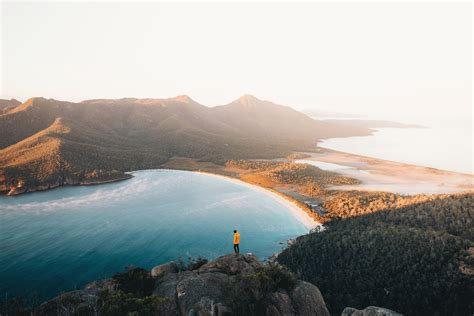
59, 240
443, 144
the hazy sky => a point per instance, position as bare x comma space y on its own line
378, 59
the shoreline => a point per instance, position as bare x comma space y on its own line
374, 174
46, 187
303, 214
299, 209
106, 181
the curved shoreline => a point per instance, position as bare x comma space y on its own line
297, 208
301, 214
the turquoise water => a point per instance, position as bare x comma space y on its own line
61, 239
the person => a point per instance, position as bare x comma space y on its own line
236, 241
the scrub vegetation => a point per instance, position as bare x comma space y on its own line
305, 176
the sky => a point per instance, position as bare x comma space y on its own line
382, 60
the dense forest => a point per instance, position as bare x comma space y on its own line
344, 204
413, 257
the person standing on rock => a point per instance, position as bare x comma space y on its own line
236, 241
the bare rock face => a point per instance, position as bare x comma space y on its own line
166, 287
17, 187
16, 191
205, 289
369, 311
220, 309
200, 291
232, 264
308, 300
170, 267
208, 290
280, 304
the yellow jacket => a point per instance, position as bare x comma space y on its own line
236, 238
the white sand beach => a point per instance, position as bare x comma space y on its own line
296, 211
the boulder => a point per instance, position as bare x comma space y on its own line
220, 309
170, 267
166, 287
308, 300
16, 191
272, 311
282, 302
232, 264
199, 291
369, 311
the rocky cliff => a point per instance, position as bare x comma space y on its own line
229, 285
17, 187
232, 285
369, 311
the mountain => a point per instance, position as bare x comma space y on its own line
278, 122
5, 105
46, 143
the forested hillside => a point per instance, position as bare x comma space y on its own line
345, 204
416, 259
6, 105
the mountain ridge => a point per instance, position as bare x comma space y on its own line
113, 136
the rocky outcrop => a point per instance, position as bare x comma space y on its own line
162, 269
209, 289
17, 187
308, 300
369, 311
220, 287
16, 190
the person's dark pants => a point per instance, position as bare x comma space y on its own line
236, 248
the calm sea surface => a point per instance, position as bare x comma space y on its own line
59, 240
446, 145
